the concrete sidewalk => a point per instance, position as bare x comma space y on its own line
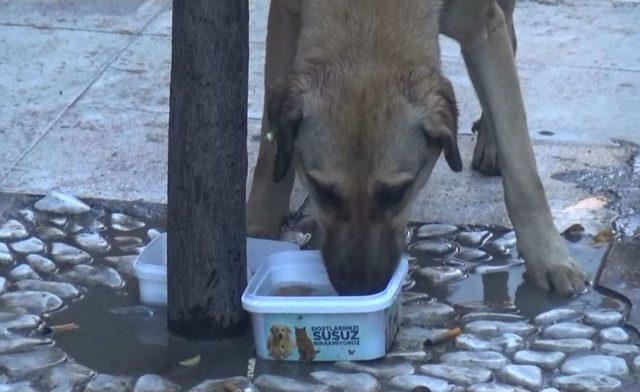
85, 85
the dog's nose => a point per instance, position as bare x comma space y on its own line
360, 267
352, 284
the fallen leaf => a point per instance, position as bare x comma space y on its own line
191, 361
604, 236
231, 387
590, 203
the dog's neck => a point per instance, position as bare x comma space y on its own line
365, 33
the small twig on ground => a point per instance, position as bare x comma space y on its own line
64, 327
443, 337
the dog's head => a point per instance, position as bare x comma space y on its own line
363, 144
280, 331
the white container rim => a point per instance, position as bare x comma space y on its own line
255, 303
151, 263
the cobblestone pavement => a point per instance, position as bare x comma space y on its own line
64, 260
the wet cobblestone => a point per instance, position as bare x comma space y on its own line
464, 276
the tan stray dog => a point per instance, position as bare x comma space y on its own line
357, 106
279, 342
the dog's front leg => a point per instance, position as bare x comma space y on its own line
269, 200
489, 56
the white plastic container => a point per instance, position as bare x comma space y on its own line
322, 327
258, 250
150, 268
151, 265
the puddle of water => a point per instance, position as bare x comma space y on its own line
118, 336
509, 288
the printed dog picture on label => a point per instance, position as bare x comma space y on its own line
279, 342
306, 349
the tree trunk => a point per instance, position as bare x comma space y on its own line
207, 167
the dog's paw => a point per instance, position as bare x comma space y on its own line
485, 153
564, 277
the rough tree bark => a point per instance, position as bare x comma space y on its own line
207, 167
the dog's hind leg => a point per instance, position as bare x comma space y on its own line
269, 201
484, 38
507, 7
485, 154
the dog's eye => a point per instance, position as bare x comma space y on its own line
327, 193
391, 195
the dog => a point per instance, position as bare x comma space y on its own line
356, 105
279, 342
306, 349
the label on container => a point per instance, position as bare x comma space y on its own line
336, 335
328, 337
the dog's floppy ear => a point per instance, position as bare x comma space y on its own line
285, 114
441, 127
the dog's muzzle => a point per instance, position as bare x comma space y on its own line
363, 262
